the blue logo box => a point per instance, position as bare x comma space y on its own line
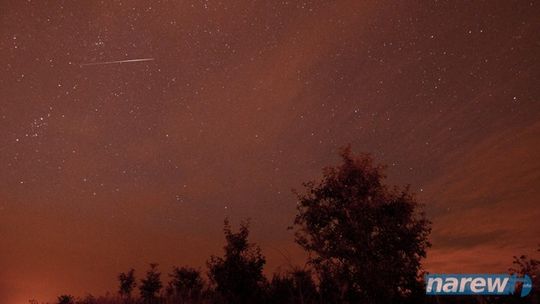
476, 284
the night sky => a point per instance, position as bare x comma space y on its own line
110, 166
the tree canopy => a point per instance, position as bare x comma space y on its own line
366, 239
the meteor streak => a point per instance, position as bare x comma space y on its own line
117, 61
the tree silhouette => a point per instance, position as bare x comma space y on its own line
127, 283
525, 265
366, 237
238, 276
151, 285
186, 284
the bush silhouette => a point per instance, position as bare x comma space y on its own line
66, 299
186, 284
151, 285
296, 286
238, 276
127, 283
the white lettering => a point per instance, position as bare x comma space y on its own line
451, 285
432, 281
496, 284
478, 285
463, 284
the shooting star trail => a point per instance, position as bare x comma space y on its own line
117, 61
